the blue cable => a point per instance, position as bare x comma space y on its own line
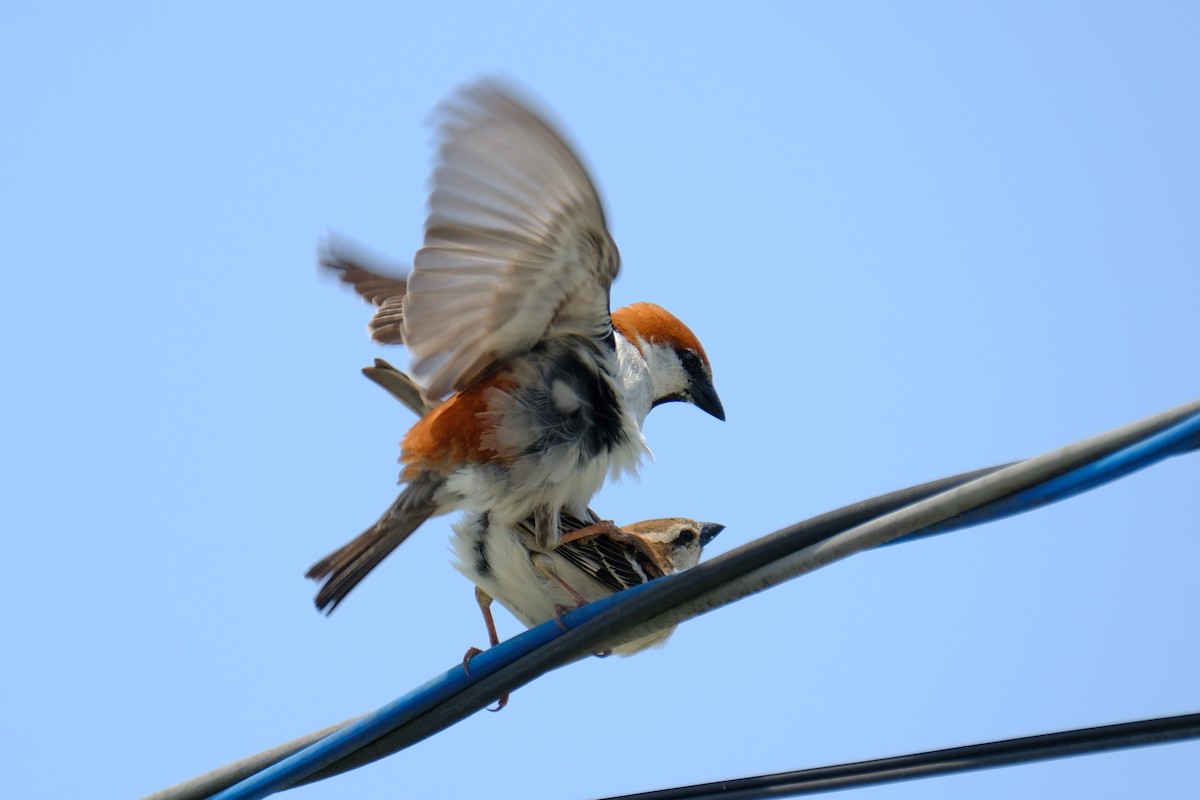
1173, 440
1177, 438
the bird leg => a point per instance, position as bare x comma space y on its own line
546, 530
544, 565
604, 527
485, 606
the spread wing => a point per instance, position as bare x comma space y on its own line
516, 248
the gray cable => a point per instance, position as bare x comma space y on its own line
223, 777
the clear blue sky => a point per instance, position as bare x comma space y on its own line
915, 239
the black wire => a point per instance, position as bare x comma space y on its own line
1082, 741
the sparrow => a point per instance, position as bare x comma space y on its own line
506, 316
592, 562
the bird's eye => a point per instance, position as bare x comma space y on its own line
691, 361
685, 537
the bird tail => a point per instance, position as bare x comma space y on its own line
398, 385
342, 569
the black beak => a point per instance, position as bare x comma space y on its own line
704, 397
709, 531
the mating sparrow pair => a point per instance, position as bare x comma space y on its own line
533, 392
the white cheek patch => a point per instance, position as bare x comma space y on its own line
666, 372
566, 401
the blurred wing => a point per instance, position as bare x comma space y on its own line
369, 276
387, 325
516, 248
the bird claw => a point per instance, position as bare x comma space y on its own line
559, 610
471, 653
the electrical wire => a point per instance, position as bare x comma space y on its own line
933, 763
948, 503
796, 550
210, 783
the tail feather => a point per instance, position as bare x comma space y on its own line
399, 386
342, 569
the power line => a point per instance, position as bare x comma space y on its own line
1026, 750
939, 506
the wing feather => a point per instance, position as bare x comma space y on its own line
516, 247
381, 284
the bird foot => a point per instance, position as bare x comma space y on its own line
471, 653
559, 610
